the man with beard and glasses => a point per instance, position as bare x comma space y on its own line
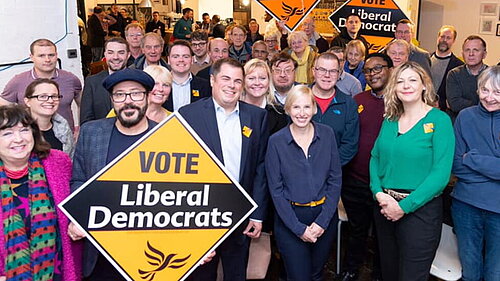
95, 100
103, 140
283, 74
442, 61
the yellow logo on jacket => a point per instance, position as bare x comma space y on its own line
246, 131
360, 108
195, 93
428, 128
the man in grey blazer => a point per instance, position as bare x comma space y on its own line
405, 30
95, 100
101, 141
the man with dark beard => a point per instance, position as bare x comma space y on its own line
442, 61
95, 99
283, 74
101, 141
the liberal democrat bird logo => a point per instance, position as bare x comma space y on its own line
158, 259
290, 11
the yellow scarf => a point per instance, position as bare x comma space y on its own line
302, 69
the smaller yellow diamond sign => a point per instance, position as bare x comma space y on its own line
162, 205
292, 12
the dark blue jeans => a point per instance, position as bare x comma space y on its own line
303, 260
478, 232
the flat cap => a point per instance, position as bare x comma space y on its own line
128, 74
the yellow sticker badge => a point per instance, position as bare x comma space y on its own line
195, 93
360, 108
428, 128
246, 131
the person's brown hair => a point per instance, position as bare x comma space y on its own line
13, 114
43, 43
30, 90
393, 105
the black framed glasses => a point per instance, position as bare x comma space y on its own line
46, 97
199, 45
134, 96
322, 71
374, 70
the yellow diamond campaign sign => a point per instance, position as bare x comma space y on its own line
378, 17
161, 206
292, 12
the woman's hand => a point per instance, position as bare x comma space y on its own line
3, 278
393, 211
74, 233
308, 236
316, 230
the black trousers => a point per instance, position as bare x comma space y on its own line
234, 255
408, 246
358, 203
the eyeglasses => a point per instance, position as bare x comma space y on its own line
286, 71
406, 32
322, 71
270, 40
135, 35
375, 70
199, 45
134, 96
46, 97
156, 47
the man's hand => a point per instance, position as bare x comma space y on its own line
253, 229
74, 233
207, 259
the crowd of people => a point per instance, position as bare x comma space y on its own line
299, 122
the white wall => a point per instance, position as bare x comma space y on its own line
464, 15
22, 22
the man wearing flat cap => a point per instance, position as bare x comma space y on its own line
102, 140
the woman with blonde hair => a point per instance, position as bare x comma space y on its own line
355, 60
304, 176
304, 55
409, 168
259, 91
160, 93
272, 39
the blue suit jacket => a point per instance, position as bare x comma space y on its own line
200, 88
201, 116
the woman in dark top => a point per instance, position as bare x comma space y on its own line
304, 177
259, 91
42, 98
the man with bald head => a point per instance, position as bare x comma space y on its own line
443, 60
218, 48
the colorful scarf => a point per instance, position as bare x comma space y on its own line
29, 257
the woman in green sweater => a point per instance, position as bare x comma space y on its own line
410, 166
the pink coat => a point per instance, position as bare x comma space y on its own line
58, 172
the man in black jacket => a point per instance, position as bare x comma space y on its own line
442, 61
350, 32
309, 27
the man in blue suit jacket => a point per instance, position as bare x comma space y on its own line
186, 88
236, 133
100, 141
